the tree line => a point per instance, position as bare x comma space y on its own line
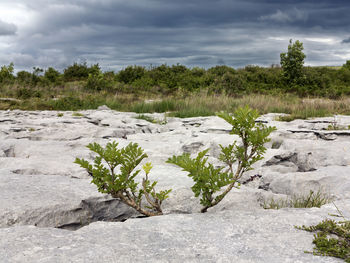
290, 76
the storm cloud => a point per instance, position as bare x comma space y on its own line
201, 33
345, 41
7, 29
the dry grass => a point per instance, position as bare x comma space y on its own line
181, 104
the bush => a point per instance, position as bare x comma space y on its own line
120, 183
79, 71
208, 179
52, 75
130, 74
96, 82
24, 77
6, 74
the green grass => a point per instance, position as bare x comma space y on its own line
151, 119
77, 114
74, 97
146, 118
158, 106
193, 112
313, 199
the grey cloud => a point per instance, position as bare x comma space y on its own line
192, 32
346, 40
7, 29
284, 17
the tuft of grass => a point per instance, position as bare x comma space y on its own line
313, 199
77, 114
146, 118
60, 114
151, 119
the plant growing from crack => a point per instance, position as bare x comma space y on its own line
331, 238
312, 199
113, 172
239, 158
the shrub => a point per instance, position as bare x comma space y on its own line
208, 179
6, 73
96, 82
79, 71
130, 74
120, 183
52, 75
24, 77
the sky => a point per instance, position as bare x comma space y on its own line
195, 33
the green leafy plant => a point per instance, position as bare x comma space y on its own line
209, 180
331, 238
114, 171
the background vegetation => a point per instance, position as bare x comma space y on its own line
314, 91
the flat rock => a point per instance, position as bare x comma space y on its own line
44, 194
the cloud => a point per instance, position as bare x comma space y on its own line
346, 40
7, 29
294, 15
117, 33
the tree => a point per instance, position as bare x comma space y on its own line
239, 158
347, 65
113, 172
292, 63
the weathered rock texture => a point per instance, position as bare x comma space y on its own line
44, 194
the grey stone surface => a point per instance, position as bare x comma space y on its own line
229, 236
42, 190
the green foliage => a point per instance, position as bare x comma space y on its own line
130, 74
331, 238
208, 179
253, 135
146, 118
157, 106
97, 82
347, 65
79, 71
24, 77
52, 75
192, 111
292, 63
114, 170
313, 199
152, 120
26, 93
6, 74
77, 114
